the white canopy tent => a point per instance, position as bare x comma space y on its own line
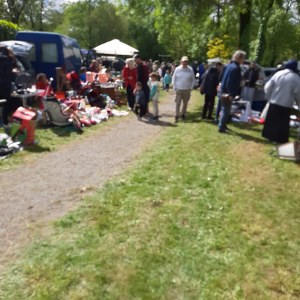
115, 47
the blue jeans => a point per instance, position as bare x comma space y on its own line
218, 108
225, 114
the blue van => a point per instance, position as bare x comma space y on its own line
52, 50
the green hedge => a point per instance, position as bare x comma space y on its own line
8, 30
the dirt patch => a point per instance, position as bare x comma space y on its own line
34, 194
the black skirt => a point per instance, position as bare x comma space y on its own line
277, 124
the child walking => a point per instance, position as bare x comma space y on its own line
167, 80
140, 107
154, 93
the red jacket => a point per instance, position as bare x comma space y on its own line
43, 86
129, 76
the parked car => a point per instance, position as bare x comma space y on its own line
265, 74
52, 50
269, 72
25, 75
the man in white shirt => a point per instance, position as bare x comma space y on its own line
183, 82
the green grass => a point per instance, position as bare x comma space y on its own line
200, 216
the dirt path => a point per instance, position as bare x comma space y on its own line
34, 194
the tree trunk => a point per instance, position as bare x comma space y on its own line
90, 26
41, 24
245, 19
261, 46
218, 14
261, 40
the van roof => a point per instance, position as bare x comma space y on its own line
28, 32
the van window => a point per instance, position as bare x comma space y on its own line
32, 53
67, 51
77, 52
49, 53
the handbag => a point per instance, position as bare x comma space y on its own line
225, 98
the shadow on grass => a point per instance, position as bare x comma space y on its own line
65, 131
247, 126
248, 137
167, 115
194, 117
159, 123
62, 131
37, 149
163, 124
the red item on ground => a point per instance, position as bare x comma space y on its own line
60, 95
27, 119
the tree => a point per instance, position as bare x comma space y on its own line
245, 12
142, 28
34, 18
102, 24
218, 48
267, 11
7, 30
281, 41
15, 9
145, 39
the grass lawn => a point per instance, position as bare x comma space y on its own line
200, 216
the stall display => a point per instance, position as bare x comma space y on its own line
93, 103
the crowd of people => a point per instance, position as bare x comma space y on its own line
217, 80
142, 83
282, 92
143, 80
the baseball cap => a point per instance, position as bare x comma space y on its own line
292, 64
184, 58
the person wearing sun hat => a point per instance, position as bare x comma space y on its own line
282, 91
183, 81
